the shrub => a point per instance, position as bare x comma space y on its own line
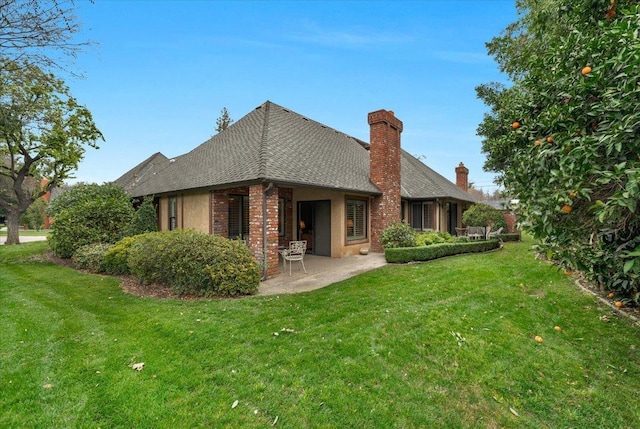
481, 214
116, 260
86, 214
145, 219
434, 237
427, 253
513, 236
194, 263
398, 234
89, 257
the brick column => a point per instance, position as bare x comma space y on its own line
257, 207
220, 213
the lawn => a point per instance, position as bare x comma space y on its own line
27, 232
448, 343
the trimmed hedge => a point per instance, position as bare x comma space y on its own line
192, 262
514, 236
435, 251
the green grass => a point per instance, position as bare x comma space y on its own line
442, 344
27, 233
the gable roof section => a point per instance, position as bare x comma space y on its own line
421, 182
142, 172
274, 144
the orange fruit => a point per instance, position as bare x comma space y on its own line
538, 142
538, 339
557, 328
618, 304
586, 71
611, 295
515, 125
550, 139
566, 208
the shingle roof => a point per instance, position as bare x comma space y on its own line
142, 172
274, 144
420, 182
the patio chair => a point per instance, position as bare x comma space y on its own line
494, 234
475, 232
295, 252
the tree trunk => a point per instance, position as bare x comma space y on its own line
13, 225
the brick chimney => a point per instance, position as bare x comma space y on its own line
462, 177
384, 171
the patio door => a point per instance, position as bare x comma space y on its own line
322, 237
453, 218
314, 225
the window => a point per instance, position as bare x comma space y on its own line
238, 216
356, 220
281, 216
422, 215
172, 213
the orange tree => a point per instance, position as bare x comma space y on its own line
574, 159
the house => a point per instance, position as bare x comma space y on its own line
275, 176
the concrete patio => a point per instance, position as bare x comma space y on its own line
321, 271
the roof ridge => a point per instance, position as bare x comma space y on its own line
262, 157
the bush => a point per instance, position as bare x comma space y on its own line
145, 219
481, 214
89, 257
427, 253
86, 214
116, 260
398, 234
513, 236
428, 238
194, 263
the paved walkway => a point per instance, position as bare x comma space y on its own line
24, 239
321, 271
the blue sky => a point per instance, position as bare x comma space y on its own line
160, 72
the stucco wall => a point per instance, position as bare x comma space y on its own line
338, 233
195, 212
163, 213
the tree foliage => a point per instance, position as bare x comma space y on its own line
87, 214
43, 134
483, 215
223, 121
565, 136
145, 219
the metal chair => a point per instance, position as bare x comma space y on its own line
295, 252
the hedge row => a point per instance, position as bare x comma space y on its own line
435, 251
513, 236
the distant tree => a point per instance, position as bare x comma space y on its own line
476, 193
34, 216
223, 122
34, 30
43, 131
